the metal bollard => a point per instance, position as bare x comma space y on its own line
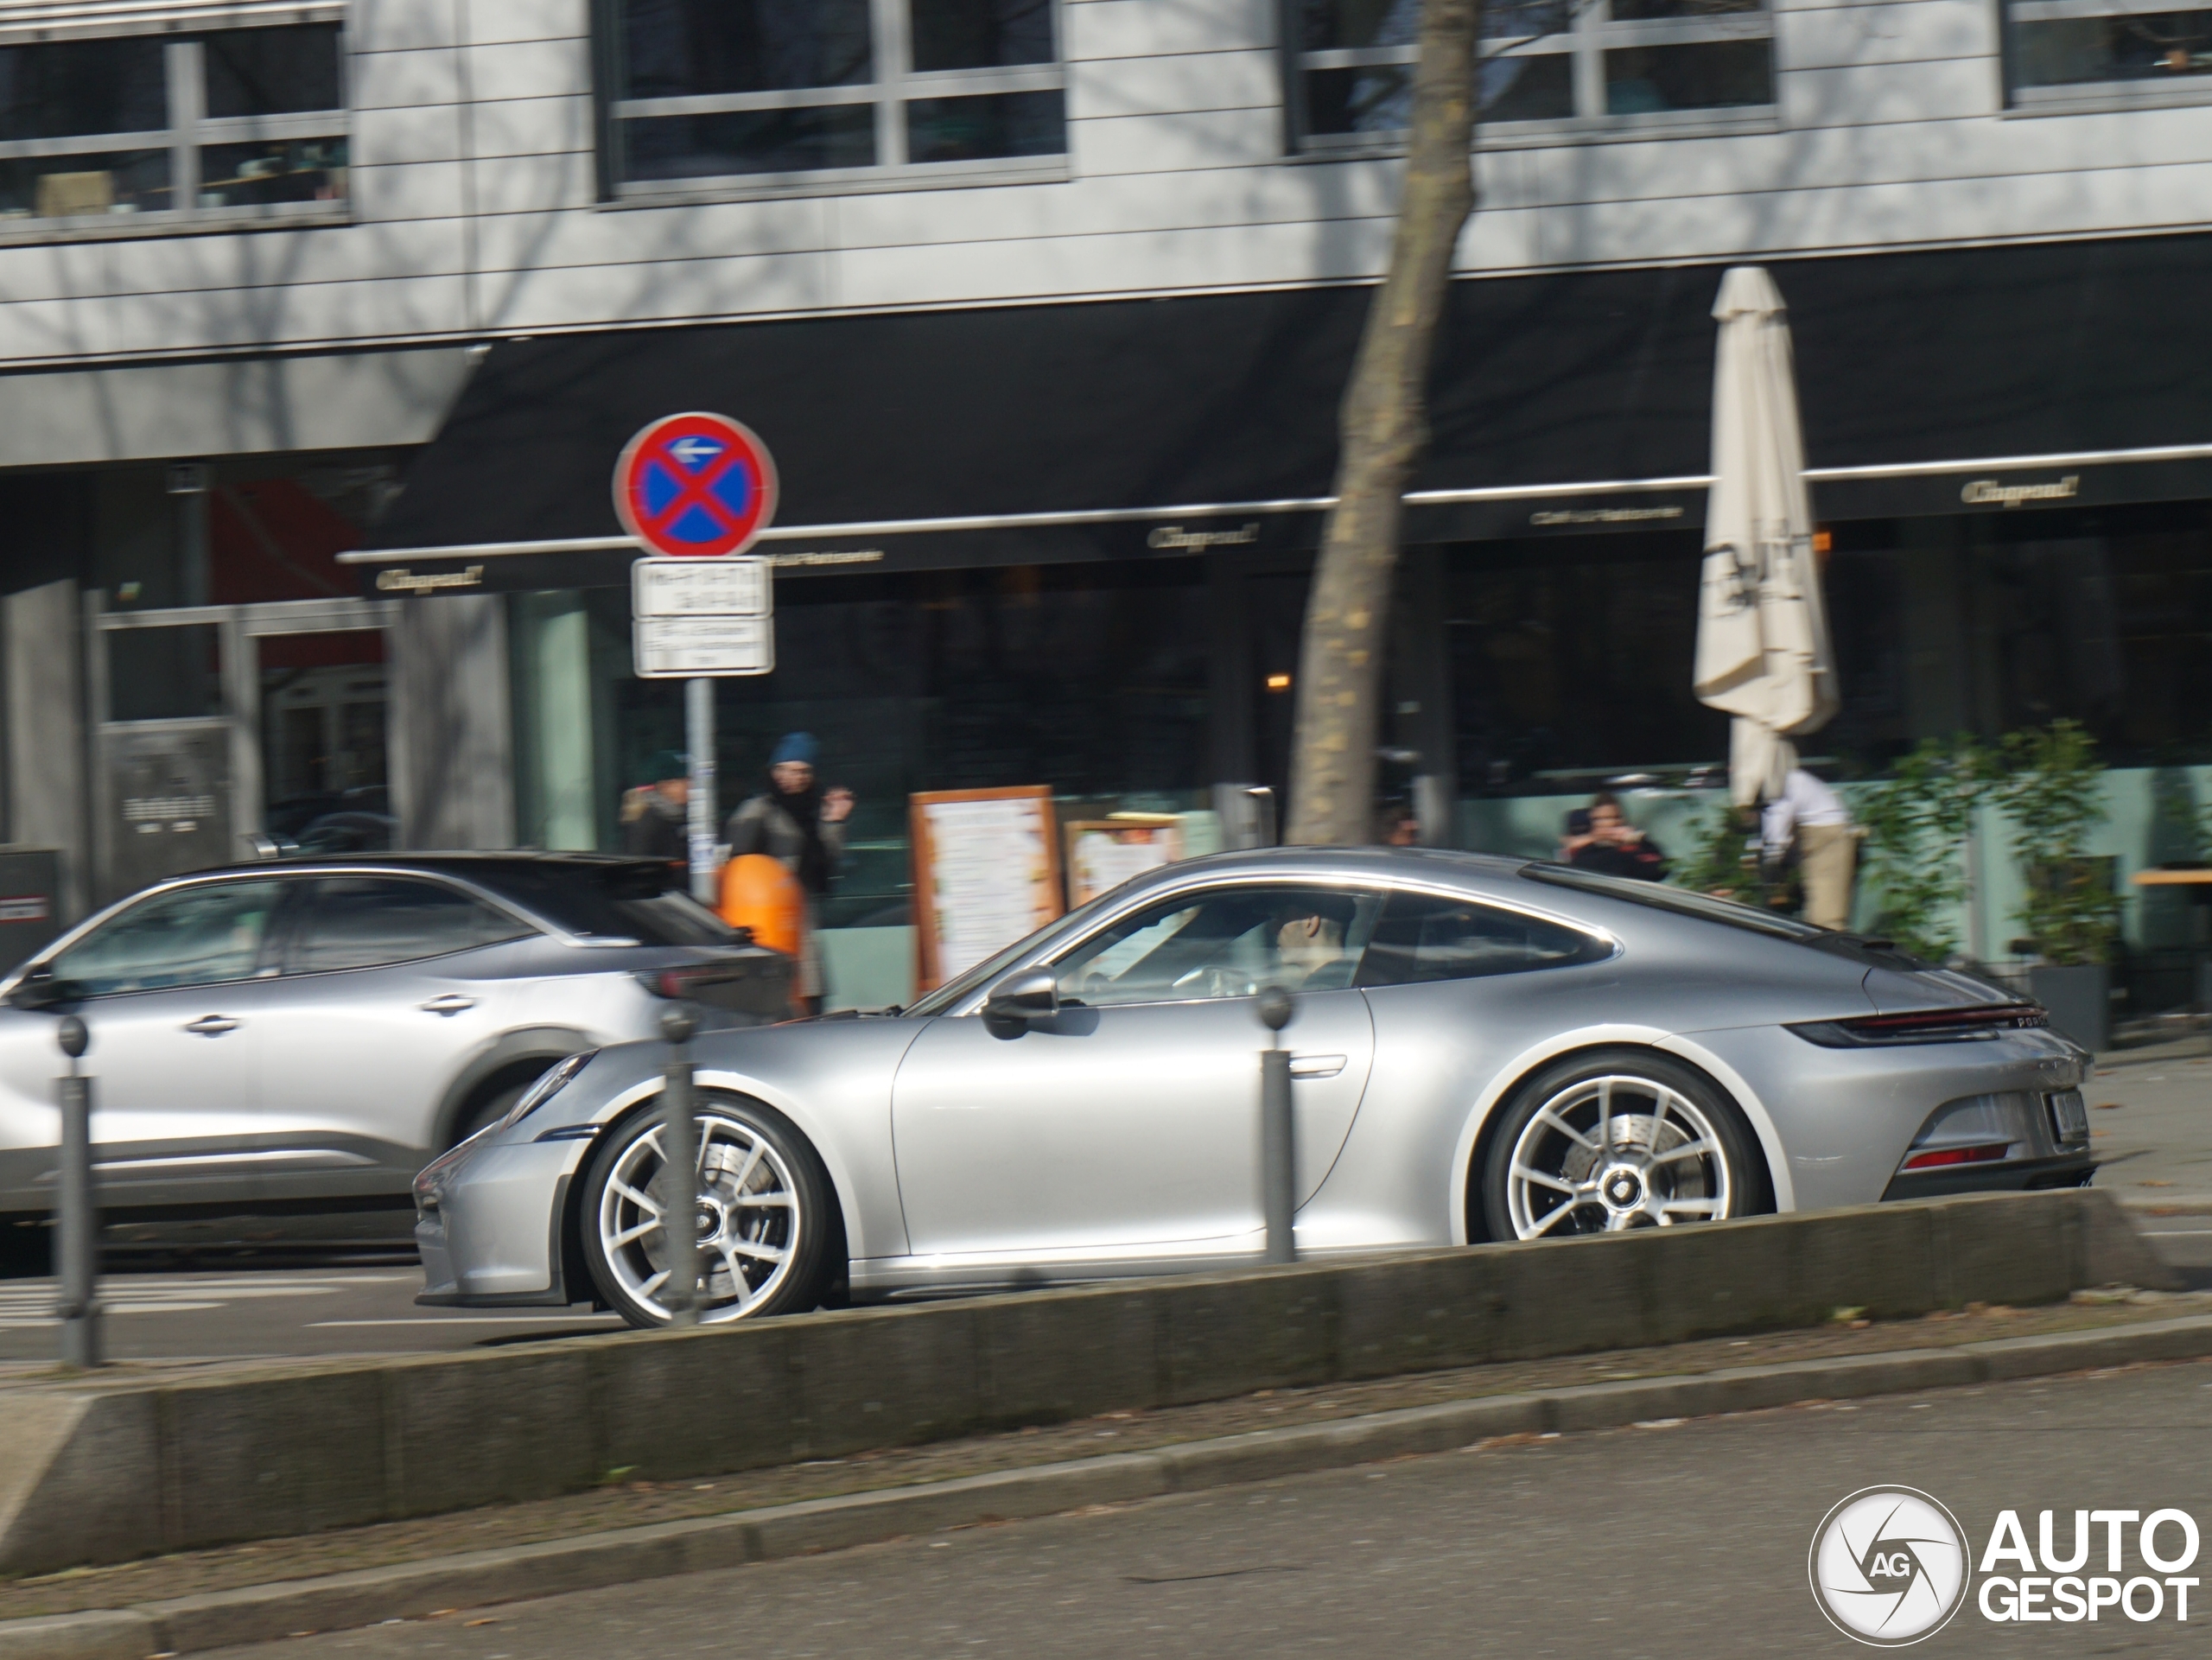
1278, 1130
679, 1138
76, 1225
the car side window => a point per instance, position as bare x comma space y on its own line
361, 922
1224, 943
198, 936
1423, 937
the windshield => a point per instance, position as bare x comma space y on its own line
609, 903
999, 962
1679, 899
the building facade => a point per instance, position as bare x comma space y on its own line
327, 321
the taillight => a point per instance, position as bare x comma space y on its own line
1975, 1024
689, 982
1937, 1158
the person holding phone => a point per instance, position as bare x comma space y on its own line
1601, 839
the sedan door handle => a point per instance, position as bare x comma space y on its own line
1316, 1065
451, 1003
212, 1025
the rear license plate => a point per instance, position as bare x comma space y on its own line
2068, 1116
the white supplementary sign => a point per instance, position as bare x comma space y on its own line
699, 587
693, 618
682, 648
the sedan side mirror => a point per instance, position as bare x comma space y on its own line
1034, 994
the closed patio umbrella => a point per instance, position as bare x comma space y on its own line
1763, 651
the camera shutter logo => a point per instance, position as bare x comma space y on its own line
1889, 1566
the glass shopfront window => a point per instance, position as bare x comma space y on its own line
1090, 680
1571, 659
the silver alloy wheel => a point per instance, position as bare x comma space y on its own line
1616, 1152
750, 1218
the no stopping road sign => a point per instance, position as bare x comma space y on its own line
696, 486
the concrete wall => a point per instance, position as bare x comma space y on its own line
473, 186
115, 1467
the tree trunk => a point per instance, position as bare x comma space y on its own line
1383, 428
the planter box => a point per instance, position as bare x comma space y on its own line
2080, 1002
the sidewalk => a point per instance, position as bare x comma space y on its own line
483, 1556
2150, 1124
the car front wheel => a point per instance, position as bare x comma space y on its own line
762, 1210
1602, 1143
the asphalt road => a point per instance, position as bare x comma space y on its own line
1685, 1540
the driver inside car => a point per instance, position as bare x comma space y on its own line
1309, 953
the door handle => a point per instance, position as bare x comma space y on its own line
1316, 1065
451, 1003
212, 1025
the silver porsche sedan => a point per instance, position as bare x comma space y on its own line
1481, 1049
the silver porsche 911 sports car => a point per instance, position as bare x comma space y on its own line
1482, 1049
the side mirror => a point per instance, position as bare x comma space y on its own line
1032, 995
39, 989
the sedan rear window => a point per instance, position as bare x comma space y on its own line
1679, 899
630, 903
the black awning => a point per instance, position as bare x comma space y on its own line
1563, 402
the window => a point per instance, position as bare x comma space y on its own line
752, 94
1423, 937
125, 134
2130, 51
1659, 897
626, 902
1575, 64
1228, 943
361, 922
198, 936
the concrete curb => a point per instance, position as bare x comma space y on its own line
113, 1468
479, 1579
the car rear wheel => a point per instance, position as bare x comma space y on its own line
762, 1206
1612, 1142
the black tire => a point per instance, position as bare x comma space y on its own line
1671, 1180
786, 1207
488, 1109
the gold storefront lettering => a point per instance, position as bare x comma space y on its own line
1985, 492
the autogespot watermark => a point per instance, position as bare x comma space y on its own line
1891, 1565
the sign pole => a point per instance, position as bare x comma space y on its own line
696, 490
699, 738
77, 1235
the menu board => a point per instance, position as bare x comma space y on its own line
1105, 853
987, 871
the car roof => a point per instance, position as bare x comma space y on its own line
1435, 864
482, 866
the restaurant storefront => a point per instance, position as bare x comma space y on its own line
1068, 544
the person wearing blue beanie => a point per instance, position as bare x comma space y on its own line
801, 825
801, 748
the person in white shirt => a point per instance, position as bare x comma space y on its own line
1814, 816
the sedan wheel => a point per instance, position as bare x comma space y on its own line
760, 1210
1603, 1148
